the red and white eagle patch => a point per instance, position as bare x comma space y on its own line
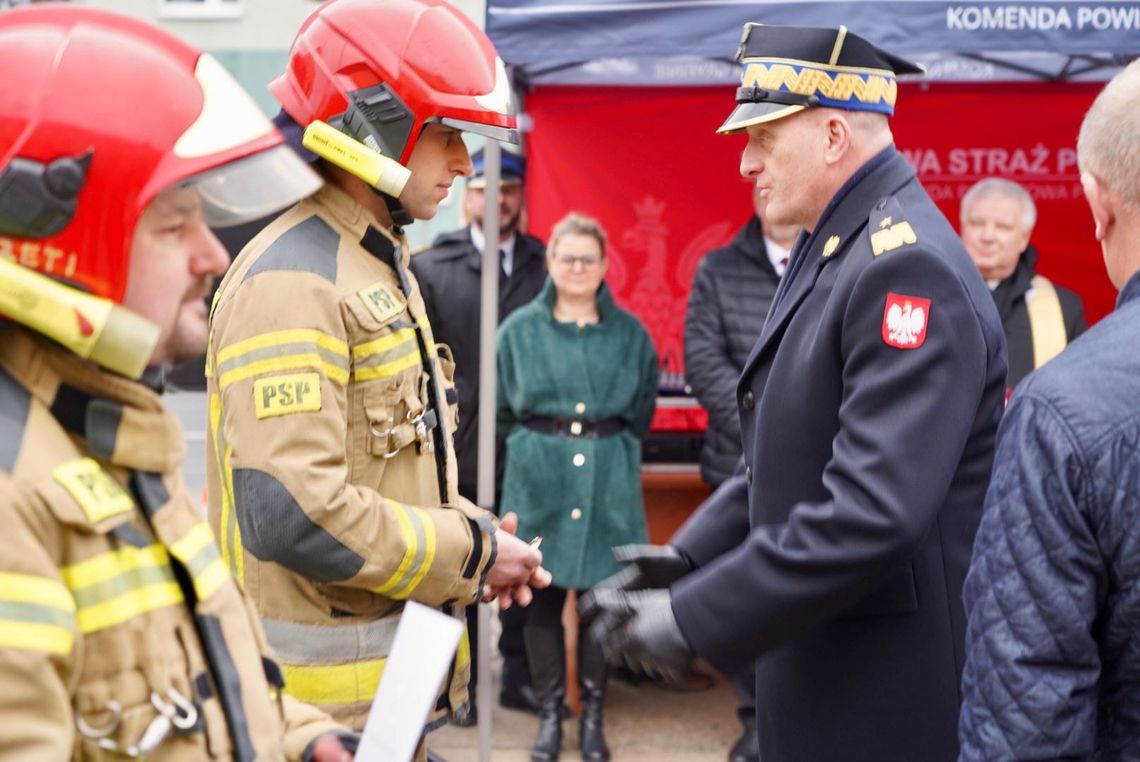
904, 321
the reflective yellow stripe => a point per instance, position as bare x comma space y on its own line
463, 652
388, 368
391, 345
334, 684
26, 588
33, 636
429, 555
211, 578
127, 606
409, 535
198, 551
192, 543
235, 536
294, 336
383, 344
429, 337
288, 362
114, 587
227, 524
107, 566
36, 614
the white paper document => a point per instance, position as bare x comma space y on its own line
424, 646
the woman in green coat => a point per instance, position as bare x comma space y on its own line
577, 386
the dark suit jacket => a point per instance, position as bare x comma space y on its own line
449, 274
836, 558
1009, 296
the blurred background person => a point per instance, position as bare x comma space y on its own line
1039, 317
732, 290
449, 274
577, 387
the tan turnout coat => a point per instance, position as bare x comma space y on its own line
330, 491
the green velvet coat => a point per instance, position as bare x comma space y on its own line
547, 368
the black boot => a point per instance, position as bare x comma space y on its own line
592, 682
546, 653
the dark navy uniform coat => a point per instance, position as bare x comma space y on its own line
835, 557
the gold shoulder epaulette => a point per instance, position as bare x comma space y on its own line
888, 228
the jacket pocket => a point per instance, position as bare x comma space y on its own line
394, 411
897, 595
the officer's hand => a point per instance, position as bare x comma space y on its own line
637, 629
517, 565
647, 566
329, 748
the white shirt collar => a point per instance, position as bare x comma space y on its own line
777, 255
507, 246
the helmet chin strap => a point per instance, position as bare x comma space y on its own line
400, 216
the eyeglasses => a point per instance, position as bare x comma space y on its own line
588, 261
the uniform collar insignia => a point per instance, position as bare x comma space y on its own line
831, 245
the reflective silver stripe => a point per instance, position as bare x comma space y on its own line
403, 349
416, 571
284, 350
295, 643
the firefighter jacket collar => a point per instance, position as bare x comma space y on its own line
344, 209
123, 418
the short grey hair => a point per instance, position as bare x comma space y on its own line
998, 186
1108, 146
577, 224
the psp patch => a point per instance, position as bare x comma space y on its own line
286, 395
99, 495
381, 301
905, 319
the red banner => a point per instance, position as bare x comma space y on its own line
647, 164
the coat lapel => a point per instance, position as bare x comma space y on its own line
842, 223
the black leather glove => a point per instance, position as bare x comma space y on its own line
637, 629
647, 566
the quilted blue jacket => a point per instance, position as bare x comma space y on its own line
1053, 593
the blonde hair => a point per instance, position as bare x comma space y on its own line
576, 224
1108, 146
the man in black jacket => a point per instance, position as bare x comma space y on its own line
1039, 318
449, 274
732, 290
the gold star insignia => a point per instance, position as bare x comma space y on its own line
831, 245
886, 223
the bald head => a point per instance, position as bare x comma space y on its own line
1108, 153
1109, 142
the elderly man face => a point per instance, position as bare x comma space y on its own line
995, 234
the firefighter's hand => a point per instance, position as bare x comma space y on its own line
329, 748
517, 568
647, 567
637, 629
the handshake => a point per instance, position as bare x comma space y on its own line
631, 614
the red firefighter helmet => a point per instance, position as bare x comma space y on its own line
98, 114
379, 71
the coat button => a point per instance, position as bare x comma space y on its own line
579, 459
576, 514
748, 475
580, 408
576, 428
748, 400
